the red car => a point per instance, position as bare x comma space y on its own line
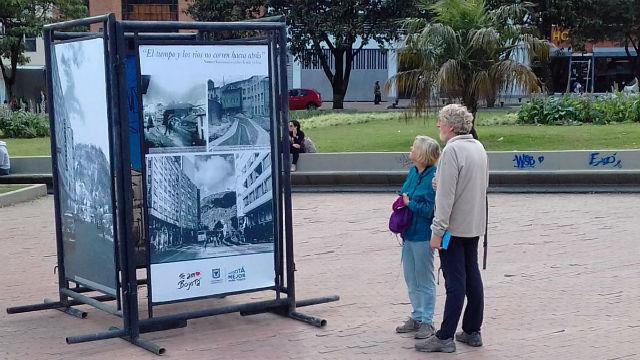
301, 99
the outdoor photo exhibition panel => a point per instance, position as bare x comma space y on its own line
206, 115
197, 174
84, 166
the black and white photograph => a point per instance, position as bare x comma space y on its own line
239, 112
255, 197
218, 96
83, 163
174, 108
193, 209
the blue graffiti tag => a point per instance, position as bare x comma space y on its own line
404, 160
595, 160
526, 161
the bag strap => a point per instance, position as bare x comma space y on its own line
486, 229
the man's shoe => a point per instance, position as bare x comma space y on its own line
425, 331
474, 339
433, 344
409, 326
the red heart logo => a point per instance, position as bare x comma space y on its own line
197, 273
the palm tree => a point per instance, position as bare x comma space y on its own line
467, 52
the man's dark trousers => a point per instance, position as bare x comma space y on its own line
462, 277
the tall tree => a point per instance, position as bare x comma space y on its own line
343, 27
614, 20
20, 19
467, 52
226, 10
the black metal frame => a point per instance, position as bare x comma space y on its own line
115, 35
112, 147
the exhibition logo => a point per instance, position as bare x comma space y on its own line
216, 276
237, 275
189, 280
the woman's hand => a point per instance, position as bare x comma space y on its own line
434, 184
406, 199
436, 242
297, 146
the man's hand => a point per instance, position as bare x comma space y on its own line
436, 242
406, 199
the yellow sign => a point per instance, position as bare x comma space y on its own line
559, 35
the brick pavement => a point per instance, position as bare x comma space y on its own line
562, 283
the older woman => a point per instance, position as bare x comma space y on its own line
417, 256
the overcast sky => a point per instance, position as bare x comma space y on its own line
82, 75
210, 173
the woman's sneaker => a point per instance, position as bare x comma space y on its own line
425, 331
474, 339
409, 326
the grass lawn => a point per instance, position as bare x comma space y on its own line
9, 188
394, 131
497, 130
28, 147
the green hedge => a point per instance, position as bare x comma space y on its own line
611, 108
20, 124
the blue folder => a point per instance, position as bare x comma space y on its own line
445, 240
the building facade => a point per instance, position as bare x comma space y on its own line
249, 96
255, 197
64, 143
144, 10
173, 202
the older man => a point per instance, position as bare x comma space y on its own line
462, 181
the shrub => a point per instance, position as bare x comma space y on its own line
611, 108
22, 124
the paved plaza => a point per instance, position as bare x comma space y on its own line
562, 282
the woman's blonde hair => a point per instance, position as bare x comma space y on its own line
426, 149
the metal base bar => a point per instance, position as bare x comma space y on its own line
318, 300
111, 334
54, 305
283, 310
149, 346
69, 310
90, 301
215, 311
164, 326
145, 344
317, 322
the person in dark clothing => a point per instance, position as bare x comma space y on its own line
296, 138
14, 105
167, 121
377, 94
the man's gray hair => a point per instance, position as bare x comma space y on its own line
457, 117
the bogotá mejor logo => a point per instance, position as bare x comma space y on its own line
189, 280
237, 275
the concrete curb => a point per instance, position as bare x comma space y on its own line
21, 195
